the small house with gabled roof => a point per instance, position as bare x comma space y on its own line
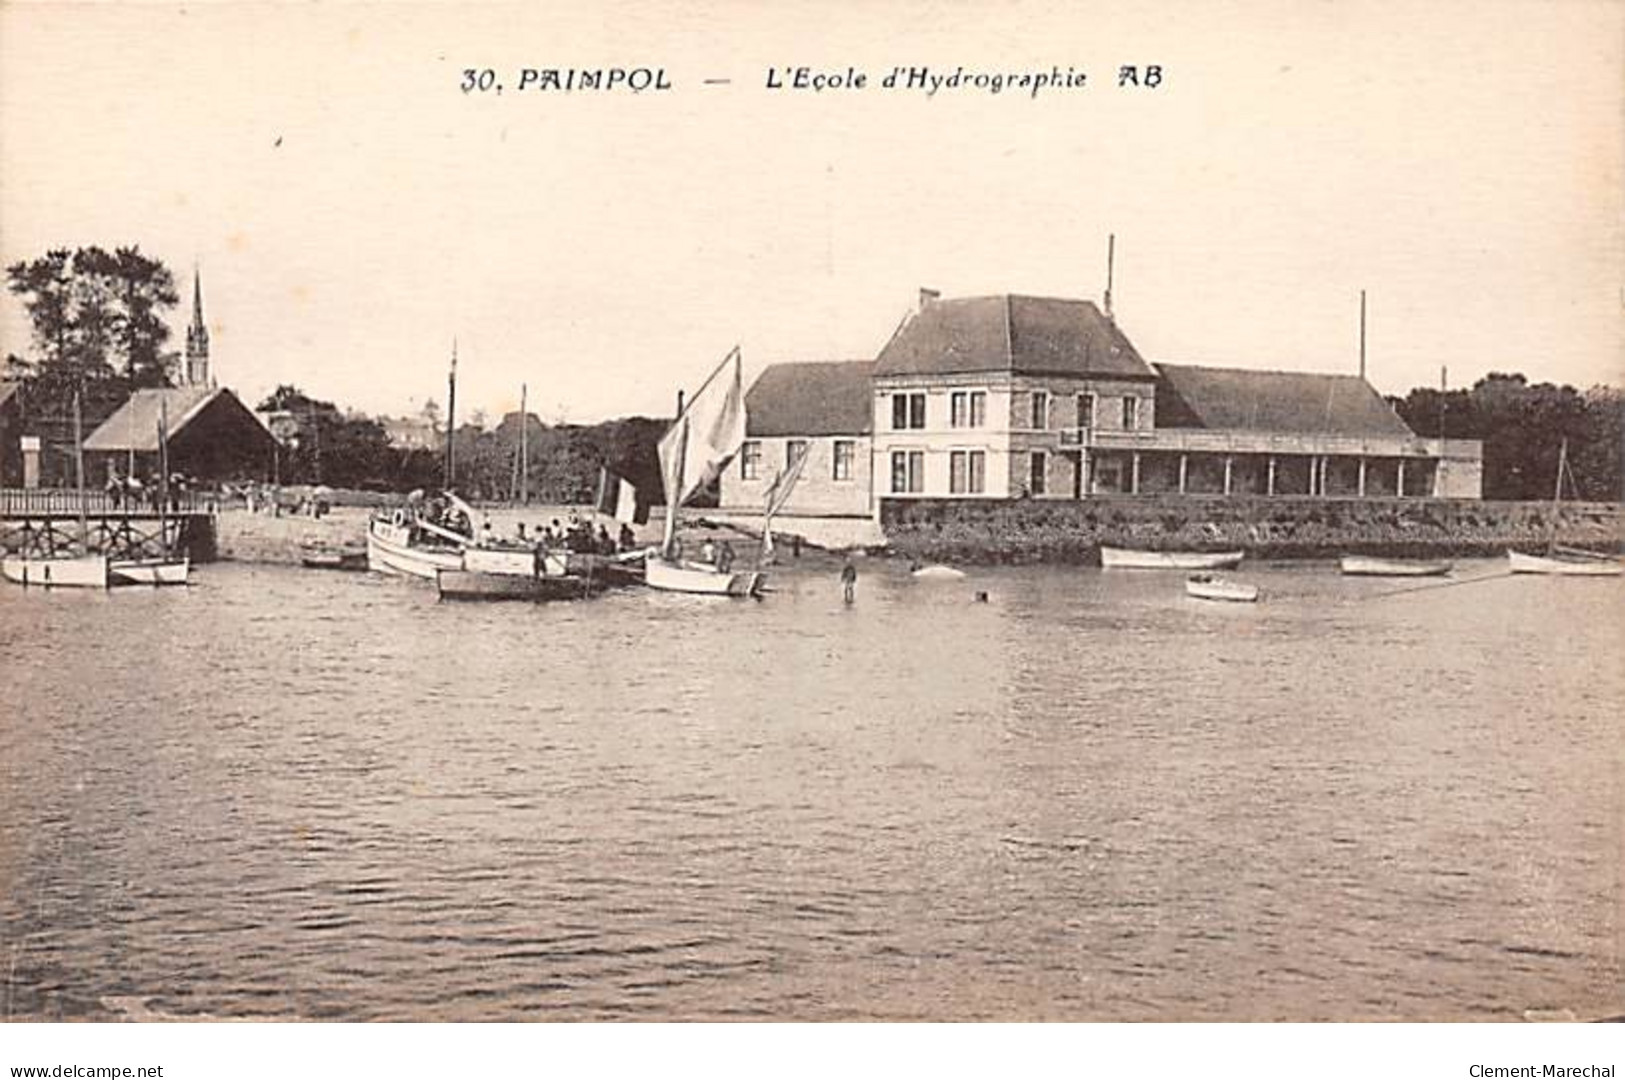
823, 409
211, 435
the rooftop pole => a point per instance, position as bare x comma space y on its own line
1111, 258
1362, 334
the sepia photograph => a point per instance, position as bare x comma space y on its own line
894, 513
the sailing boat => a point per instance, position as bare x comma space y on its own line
1569, 562
706, 435
84, 570
165, 569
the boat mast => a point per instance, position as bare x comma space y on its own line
79, 474
163, 474
451, 419
1557, 493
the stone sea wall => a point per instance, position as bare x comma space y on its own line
1039, 530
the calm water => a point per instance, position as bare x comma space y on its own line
289, 794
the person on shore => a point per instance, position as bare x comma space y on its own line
606, 546
523, 539
849, 581
725, 556
708, 552
626, 541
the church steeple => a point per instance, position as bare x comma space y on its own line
197, 337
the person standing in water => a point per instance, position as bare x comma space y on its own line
849, 581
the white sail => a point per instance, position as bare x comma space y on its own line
708, 433
778, 493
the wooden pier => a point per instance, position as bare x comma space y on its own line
56, 521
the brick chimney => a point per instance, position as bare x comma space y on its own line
929, 297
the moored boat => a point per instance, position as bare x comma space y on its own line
475, 585
1374, 566
149, 571
1115, 558
701, 578
937, 572
1213, 587
1563, 565
58, 572
395, 546
321, 557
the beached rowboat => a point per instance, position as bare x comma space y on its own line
1372, 566
472, 585
1596, 566
1112, 558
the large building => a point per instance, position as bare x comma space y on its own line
1003, 397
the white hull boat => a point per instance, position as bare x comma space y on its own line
76, 572
1209, 587
390, 550
701, 579
1370, 566
937, 572
1112, 558
1598, 566
150, 571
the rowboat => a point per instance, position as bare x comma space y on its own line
1372, 566
1212, 587
1113, 558
63, 572
329, 558
1567, 566
701, 579
936, 572
473, 585
149, 571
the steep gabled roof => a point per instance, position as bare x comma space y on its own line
828, 398
7, 389
1284, 401
1024, 335
135, 425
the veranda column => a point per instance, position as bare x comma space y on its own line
1361, 488
1399, 483
1182, 471
1134, 475
1228, 461
1269, 480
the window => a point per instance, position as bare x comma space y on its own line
959, 409
907, 472
967, 472
1040, 473
1040, 410
1086, 410
793, 448
978, 408
750, 461
1131, 413
907, 412
846, 452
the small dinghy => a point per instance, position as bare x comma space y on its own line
1213, 587
1112, 558
937, 572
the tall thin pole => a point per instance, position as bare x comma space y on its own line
451, 419
1444, 403
163, 475
1111, 259
79, 474
1362, 334
524, 448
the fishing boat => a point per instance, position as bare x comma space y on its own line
1373, 566
474, 585
1213, 587
708, 432
405, 542
1558, 560
1114, 558
50, 569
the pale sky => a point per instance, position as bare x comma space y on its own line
1461, 161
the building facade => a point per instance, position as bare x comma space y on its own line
822, 410
1006, 397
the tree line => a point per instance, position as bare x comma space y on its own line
1524, 427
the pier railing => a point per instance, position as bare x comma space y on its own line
51, 502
